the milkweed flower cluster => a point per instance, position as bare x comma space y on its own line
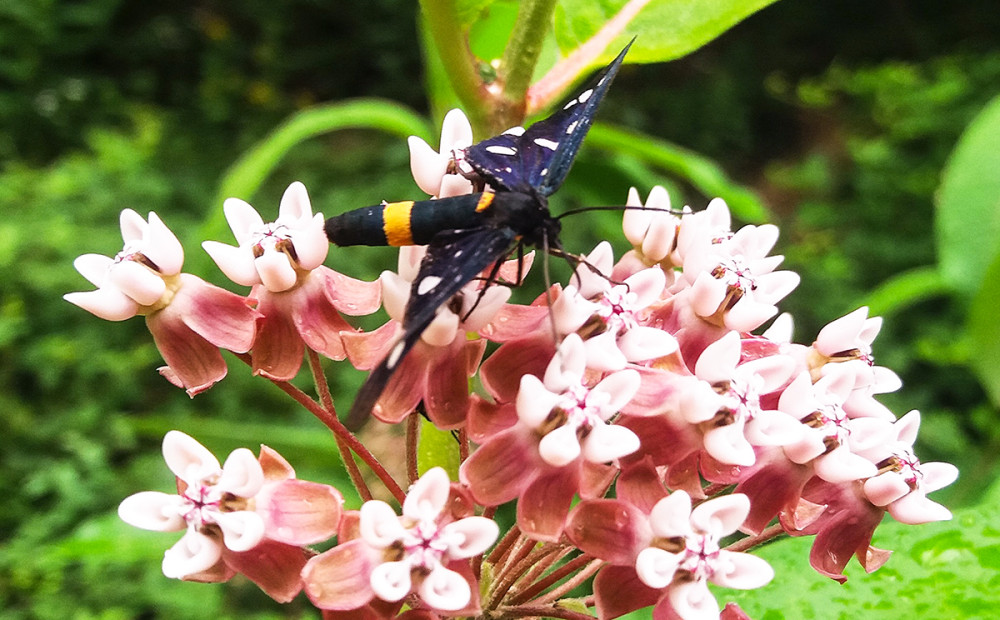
637, 416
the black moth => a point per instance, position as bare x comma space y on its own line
467, 234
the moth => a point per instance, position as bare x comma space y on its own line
518, 170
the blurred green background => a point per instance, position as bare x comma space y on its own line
840, 117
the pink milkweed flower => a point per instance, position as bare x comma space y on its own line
189, 318
733, 281
903, 482
610, 316
847, 341
665, 557
727, 402
437, 369
422, 553
249, 515
300, 299
561, 441
652, 231
433, 170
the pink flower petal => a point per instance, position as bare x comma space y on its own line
618, 591
722, 515
242, 530
428, 495
608, 442
560, 446
671, 516
545, 503
391, 580
276, 271
278, 350
502, 467
275, 567
691, 600
298, 512
612, 530
340, 578
447, 382
349, 295
220, 317
656, 567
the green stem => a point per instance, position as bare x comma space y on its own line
452, 46
323, 388
534, 19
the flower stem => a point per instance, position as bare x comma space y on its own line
534, 18
542, 611
545, 582
323, 389
329, 418
750, 542
412, 439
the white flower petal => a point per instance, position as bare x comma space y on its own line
445, 589
152, 510
646, 343
137, 282
428, 495
187, 459
295, 207
741, 571
391, 580
242, 530
379, 525
191, 555
693, 601
603, 353
534, 403
469, 536
607, 442
718, 361
915, 509
656, 567
614, 391
243, 219
567, 365
311, 244
235, 262
241, 474
162, 247
427, 167
443, 329
560, 446
109, 304
722, 515
727, 444
671, 516
276, 271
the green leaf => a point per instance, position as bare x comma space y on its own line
984, 332
904, 290
968, 203
701, 172
938, 570
664, 29
437, 448
252, 168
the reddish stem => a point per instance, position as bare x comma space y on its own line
750, 542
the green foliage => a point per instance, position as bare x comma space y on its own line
937, 571
968, 215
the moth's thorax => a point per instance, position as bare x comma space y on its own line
527, 214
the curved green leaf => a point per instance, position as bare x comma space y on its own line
984, 332
937, 571
968, 203
906, 289
664, 29
248, 173
702, 173
437, 448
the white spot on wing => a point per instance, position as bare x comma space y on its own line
514, 131
571, 127
395, 354
585, 95
570, 104
501, 150
545, 171
545, 142
427, 285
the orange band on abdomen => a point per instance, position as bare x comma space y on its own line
396, 223
484, 202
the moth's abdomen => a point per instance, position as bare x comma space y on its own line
408, 222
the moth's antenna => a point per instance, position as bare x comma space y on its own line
677, 212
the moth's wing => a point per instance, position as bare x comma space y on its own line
498, 160
549, 147
453, 258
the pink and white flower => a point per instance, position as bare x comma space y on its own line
248, 515
300, 299
421, 552
667, 557
189, 318
433, 170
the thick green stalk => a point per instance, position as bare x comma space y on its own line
534, 19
